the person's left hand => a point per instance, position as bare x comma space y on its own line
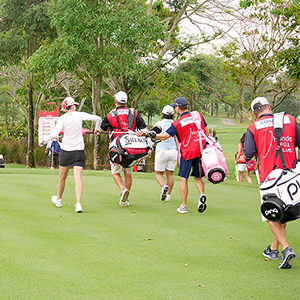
140, 133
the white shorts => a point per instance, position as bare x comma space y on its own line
118, 169
242, 167
165, 160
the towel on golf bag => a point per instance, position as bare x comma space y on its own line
281, 192
212, 158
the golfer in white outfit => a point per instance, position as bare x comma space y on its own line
72, 148
165, 156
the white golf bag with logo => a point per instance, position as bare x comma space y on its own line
280, 192
128, 149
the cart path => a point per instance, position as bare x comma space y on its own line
228, 122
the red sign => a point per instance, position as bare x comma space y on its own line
52, 110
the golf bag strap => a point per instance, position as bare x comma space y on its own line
278, 120
208, 140
130, 118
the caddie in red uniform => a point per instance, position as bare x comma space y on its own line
117, 122
187, 133
260, 140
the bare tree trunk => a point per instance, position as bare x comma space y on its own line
30, 150
6, 121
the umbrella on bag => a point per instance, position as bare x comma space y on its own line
84, 131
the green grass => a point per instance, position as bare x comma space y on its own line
144, 251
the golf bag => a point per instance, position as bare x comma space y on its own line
128, 150
212, 157
213, 161
251, 165
280, 192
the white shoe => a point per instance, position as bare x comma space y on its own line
78, 208
163, 194
124, 195
182, 209
56, 201
124, 204
168, 198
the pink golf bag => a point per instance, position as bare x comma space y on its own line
213, 162
212, 157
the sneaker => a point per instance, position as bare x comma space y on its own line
272, 254
168, 198
56, 201
124, 195
124, 204
288, 256
182, 209
78, 208
163, 194
202, 203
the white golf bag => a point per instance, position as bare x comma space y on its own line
128, 149
280, 192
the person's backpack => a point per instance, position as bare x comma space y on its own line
55, 147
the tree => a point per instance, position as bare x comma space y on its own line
289, 15
149, 108
251, 58
24, 26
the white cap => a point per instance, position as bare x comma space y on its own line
68, 102
259, 100
168, 110
121, 97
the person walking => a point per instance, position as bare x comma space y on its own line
165, 156
53, 147
72, 152
242, 162
120, 121
187, 133
260, 140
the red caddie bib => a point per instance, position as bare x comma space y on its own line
263, 133
189, 136
120, 127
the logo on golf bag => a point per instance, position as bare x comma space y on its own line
272, 211
281, 190
128, 150
273, 208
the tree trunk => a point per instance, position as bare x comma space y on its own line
6, 121
96, 107
96, 102
217, 110
211, 109
30, 150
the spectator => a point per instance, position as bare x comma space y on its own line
53, 147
